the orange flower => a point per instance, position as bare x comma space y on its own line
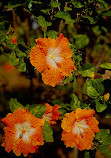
52, 114
14, 40
78, 128
8, 67
23, 132
52, 58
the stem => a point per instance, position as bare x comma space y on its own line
58, 7
75, 152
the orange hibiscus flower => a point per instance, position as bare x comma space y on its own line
52, 114
23, 132
52, 58
14, 40
78, 128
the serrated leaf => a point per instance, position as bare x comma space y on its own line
106, 65
47, 132
86, 154
91, 19
36, 109
104, 3
22, 65
64, 15
94, 88
77, 4
2, 38
55, 4
11, 6
52, 34
108, 13
81, 41
96, 30
100, 107
13, 60
69, 78
75, 102
62, 111
87, 70
104, 149
42, 22
104, 136
14, 104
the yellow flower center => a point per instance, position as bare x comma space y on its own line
79, 127
53, 57
47, 117
24, 131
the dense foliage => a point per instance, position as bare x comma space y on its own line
87, 26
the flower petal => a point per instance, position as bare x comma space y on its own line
69, 139
38, 58
66, 67
93, 124
83, 113
9, 139
63, 44
51, 76
68, 122
85, 142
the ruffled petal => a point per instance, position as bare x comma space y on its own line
45, 43
68, 122
63, 44
69, 139
9, 139
66, 67
51, 77
22, 147
93, 124
38, 58
85, 142
37, 137
83, 113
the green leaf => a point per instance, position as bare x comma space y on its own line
104, 136
14, 104
47, 132
81, 41
77, 4
104, 3
75, 102
36, 109
94, 88
86, 154
108, 13
2, 38
64, 15
20, 53
96, 30
63, 111
2, 26
11, 6
106, 65
52, 34
13, 60
87, 70
42, 22
22, 65
104, 149
91, 19
69, 78
46, 11
55, 4
100, 107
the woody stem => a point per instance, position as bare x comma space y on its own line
75, 152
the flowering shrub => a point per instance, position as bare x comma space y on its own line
73, 54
